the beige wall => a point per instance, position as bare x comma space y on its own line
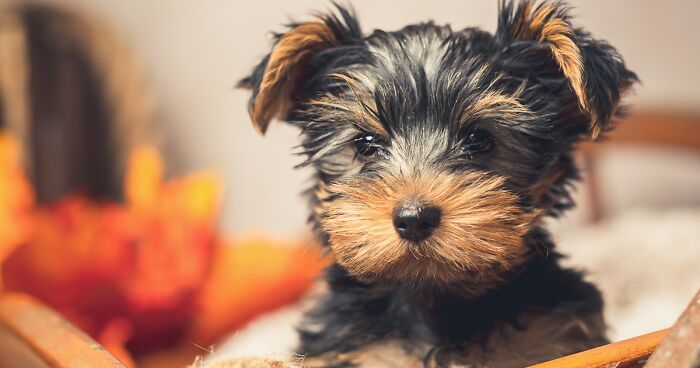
194, 51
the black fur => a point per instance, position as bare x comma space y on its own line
422, 78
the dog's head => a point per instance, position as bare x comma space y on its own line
437, 150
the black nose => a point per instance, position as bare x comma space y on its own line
414, 221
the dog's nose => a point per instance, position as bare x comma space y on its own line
414, 221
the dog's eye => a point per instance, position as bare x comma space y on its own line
367, 146
477, 141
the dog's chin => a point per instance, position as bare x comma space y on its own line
427, 266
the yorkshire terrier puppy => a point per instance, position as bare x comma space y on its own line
437, 154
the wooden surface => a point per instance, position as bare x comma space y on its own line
32, 335
631, 353
672, 129
14, 352
681, 348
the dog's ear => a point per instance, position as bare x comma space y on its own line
595, 72
276, 81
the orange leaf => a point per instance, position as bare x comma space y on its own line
250, 277
16, 197
144, 176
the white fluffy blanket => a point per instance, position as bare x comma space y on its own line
646, 262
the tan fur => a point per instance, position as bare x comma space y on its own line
249, 363
568, 56
542, 25
495, 104
480, 232
363, 108
387, 354
284, 67
361, 117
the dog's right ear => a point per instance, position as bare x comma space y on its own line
276, 80
595, 72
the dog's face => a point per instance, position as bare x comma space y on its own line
438, 150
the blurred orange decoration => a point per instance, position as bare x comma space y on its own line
150, 273
16, 198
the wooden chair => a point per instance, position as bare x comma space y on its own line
34, 336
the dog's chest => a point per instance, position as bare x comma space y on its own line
506, 346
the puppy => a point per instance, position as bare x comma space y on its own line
437, 154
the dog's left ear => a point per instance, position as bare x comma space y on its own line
276, 81
595, 72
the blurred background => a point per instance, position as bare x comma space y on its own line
192, 55
125, 112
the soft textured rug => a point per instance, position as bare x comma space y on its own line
645, 262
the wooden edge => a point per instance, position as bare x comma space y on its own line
623, 354
591, 180
54, 339
671, 129
681, 348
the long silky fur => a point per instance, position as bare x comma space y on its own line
486, 283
